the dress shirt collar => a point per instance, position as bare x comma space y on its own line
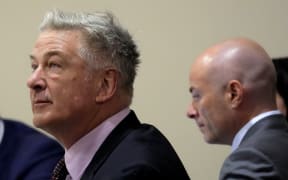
1, 130
239, 136
79, 155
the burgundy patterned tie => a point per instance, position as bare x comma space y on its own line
60, 172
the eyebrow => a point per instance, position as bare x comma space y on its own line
31, 57
48, 54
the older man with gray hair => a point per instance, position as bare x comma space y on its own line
81, 87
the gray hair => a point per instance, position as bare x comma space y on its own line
106, 43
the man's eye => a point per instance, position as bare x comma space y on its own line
34, 67
195, 96
53, 65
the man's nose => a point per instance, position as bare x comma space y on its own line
36, 81
192, 112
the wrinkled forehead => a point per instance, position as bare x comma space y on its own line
66, 36
55, 40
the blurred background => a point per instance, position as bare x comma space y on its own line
170, 34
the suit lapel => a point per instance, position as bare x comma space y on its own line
116, 136
270, 122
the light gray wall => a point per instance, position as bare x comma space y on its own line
170, 34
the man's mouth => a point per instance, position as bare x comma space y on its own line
41, 102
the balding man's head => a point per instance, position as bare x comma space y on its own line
239, 76
240, 59
243, 60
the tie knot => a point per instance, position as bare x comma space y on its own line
60, 172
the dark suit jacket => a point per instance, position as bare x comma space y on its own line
263, 153
26, 154
135, 151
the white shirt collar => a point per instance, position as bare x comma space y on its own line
240, 134
1, 130
79, 155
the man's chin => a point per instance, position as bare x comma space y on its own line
50, 124
210, 140
42, 122
39, 123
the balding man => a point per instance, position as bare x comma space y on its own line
233, 102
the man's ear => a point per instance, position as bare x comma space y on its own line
234, 93
108, 85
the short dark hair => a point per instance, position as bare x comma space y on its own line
281, 66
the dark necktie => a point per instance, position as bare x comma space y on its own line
60, 172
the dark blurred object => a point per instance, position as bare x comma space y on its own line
281, 65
